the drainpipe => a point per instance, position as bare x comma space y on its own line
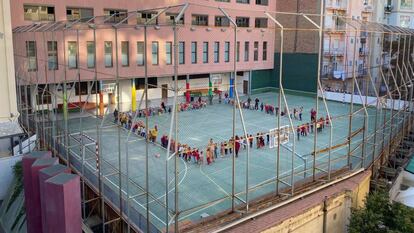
325, 214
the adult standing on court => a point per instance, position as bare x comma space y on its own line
256, 103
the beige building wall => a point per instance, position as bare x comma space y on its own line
338, 212
8, 102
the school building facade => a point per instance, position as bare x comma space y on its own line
48, 58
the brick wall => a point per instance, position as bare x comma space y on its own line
301, 40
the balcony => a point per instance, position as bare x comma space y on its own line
338, 5
336, 29
368, 9
334, 52
333, 74
363, 52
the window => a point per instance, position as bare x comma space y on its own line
31, 54
39, 13
181, 52
238, 51
205, 52
226, 51
221, 21
81, 88
72, 55
108, 54
140, 83
140, 53
405, 21
43, 91
246, 51
193, 52
243, 1
406, 4
200, 20
216, 52
242, 21
262, 2
260, 23
256, 51
95, 87
154, 53
222, 0
52, 57
115, 16
125, 53
84, 14
90, 50
168, 53
144, 17
171, 18
264, 58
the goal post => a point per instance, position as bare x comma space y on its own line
274, 134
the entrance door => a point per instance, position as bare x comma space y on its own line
164, 92
245, 87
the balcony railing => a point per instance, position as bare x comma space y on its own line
368, 8
337, 5
334, 74
334, 52
337, 28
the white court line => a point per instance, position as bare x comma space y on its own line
220, 188
155, 216
179, 183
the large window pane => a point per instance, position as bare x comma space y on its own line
52, 56
82, 14
154, 49
140, 53
216, 52
108, 54
193, 52
39, 13
72, 55
226, 51
246, 51
168, 53
205, 52
125, 53
264, 58
181, 52
115, 16
31, 53
256, 51
90, 47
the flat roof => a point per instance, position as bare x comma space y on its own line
9, 129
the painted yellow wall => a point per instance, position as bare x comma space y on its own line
338, 213
8, 103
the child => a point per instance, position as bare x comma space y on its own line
226, 148
298, 132
222, 149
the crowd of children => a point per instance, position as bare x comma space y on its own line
308, 128
213, 150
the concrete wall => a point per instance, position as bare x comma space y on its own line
7, 84
337, 215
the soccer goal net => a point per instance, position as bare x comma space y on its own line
274, 134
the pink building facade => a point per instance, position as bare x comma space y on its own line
205, 38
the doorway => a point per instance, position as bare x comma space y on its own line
164, 91
245, 87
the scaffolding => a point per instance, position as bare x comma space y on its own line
79, 132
